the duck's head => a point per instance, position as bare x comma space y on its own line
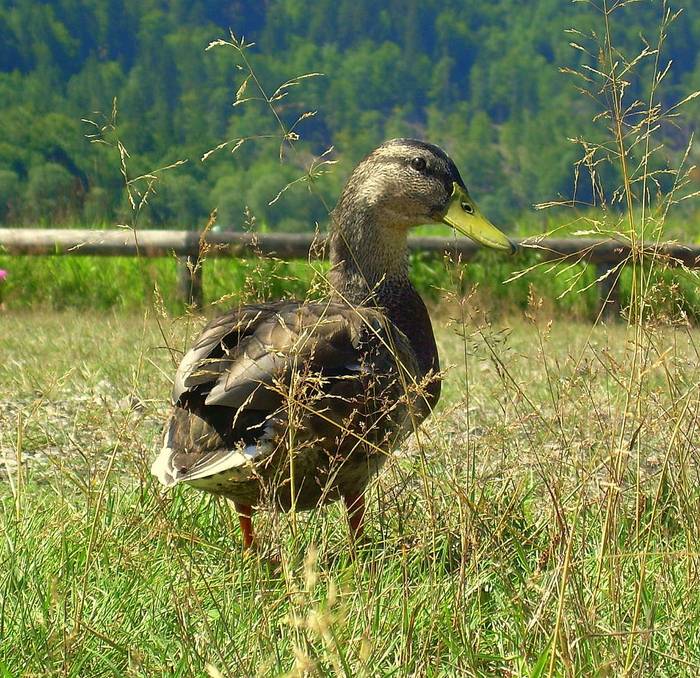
405, 183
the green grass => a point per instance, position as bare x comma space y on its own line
543, 523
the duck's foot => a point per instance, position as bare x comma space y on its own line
268, 563
245, 518
355, 504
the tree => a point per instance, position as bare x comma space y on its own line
9, 195
52, 192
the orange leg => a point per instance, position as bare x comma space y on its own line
245, 518
355, 504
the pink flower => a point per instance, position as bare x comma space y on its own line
3, 274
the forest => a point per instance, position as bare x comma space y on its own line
489, 81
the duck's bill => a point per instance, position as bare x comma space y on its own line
464, 216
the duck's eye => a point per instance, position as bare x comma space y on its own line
418, 164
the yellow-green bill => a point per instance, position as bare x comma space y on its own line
464, 216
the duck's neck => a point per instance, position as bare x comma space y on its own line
370, 268
368, 261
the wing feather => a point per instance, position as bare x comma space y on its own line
232, 382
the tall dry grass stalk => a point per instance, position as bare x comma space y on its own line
633, 212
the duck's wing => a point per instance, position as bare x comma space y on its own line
233, 389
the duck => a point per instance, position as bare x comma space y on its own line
292, 405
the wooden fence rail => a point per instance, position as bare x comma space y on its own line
188, 245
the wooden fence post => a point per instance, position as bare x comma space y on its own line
190, 281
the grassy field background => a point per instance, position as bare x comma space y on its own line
543, 523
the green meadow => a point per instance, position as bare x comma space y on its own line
543, 522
